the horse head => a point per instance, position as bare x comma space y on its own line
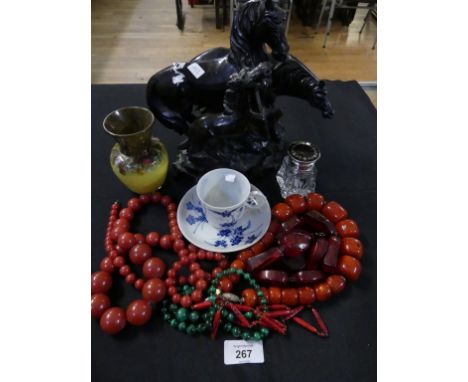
272, 29
258, 22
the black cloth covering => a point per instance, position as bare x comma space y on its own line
346, 173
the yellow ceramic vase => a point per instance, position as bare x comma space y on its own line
139, 160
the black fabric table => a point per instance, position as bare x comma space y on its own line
347, 174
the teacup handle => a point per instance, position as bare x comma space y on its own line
256, 199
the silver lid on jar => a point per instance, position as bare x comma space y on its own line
303, 155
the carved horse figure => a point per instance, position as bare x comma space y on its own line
179, 94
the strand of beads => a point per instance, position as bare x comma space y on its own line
236, 323
180, 318
197, 278
350, 250
120, 242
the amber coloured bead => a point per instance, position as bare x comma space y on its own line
250, 297
245, 255
297, 203
334, 212
349, 267
113, 320
274, 294
282, 211
268, 239
274, 226
322, 292
266, 294
306, 295
238, 264
336, 283
258, 247
352, 247
138, 312
315, 201
347, 228
289, 296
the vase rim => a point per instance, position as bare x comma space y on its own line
122, 109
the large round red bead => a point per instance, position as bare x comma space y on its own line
99, 303
138, 312
113, 320
126, 241
107, 265
154, 290
152, 238
101, 282
154, 267
140, 253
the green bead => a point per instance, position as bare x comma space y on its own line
257, 336
173, 307
236, 332
249, 315
182, 326
212, 311
194, 316
260, 294
211, 289
246, 336
206, 316
247, 277
211, 298
227, 326
231, 317
182, 314
191, 329
173, 323
167, 316
224, 313
264, 331
201, 327
263, 301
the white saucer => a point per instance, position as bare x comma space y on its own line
195, 228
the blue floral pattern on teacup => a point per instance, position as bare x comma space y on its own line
231, 236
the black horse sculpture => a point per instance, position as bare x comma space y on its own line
223, 99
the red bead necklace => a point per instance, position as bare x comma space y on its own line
120, 243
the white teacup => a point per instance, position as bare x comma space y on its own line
225, 194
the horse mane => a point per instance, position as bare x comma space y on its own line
244, 51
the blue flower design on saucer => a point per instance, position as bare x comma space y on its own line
233, 236
199, 215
